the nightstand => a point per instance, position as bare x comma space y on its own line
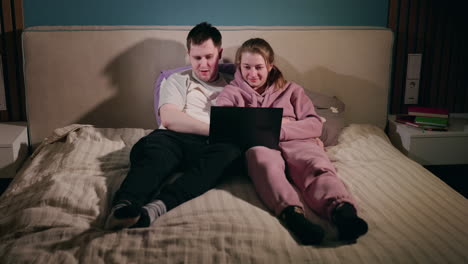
444, 153
13, 147
432, 147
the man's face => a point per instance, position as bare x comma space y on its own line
204, 59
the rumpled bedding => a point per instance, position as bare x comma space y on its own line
55, 208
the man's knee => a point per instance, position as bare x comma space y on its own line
227, 150
154, 144
137, 148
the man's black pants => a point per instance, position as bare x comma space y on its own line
157, 156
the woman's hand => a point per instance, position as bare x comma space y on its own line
285, 120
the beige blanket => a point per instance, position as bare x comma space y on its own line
54, 210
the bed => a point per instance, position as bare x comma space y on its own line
90, 98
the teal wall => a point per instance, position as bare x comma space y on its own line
217, 12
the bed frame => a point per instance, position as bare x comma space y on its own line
54, 209
105, 75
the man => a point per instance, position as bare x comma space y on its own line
180, 143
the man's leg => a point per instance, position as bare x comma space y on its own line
152, 159
207, 165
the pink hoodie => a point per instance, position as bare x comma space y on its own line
292, 98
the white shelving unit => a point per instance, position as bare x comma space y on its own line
433, 147
13, 147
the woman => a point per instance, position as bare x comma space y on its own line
259, 83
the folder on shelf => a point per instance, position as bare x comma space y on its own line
410, 120
428, 111
432, 121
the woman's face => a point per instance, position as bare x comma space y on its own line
254, 69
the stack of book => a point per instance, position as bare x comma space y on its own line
427, 118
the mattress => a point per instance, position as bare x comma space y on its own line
55, 208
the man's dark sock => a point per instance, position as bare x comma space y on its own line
143, 221
307, 232
149, 213
349, 225
123, 215
126, 211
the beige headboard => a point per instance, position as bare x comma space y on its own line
105, 75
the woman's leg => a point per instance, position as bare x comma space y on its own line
266, 167
314, 174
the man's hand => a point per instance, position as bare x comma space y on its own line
174, 119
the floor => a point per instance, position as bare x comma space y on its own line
4, 182
456, 176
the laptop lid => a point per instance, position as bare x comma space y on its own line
246, 126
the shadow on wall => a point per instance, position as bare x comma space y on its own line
370, 108
133, 74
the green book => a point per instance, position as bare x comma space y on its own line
433, 121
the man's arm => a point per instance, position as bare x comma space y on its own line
172, 97
174, 119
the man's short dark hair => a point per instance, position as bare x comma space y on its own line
201, 33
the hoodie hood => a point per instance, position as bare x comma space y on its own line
253, 98
292, 98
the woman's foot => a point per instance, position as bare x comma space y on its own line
307, 232
123, 215
349, 225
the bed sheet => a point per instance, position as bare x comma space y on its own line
56, 206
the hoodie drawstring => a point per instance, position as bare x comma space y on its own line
253, 102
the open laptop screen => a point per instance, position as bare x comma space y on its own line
246, 126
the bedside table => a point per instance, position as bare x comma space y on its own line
432, 147
13, 147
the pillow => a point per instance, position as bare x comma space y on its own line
332, 109
228, 68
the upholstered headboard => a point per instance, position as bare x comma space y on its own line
105, 75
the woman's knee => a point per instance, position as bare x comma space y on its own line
264, 157
259, 154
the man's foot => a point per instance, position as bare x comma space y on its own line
149, 213
143, 221
123, 215
349, 225
307, 232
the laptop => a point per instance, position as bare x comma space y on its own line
246, 126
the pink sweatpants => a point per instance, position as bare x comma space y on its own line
309, 169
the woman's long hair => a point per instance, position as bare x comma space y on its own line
261, 46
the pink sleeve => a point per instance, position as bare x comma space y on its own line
223, 101
308, 124
228, 97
